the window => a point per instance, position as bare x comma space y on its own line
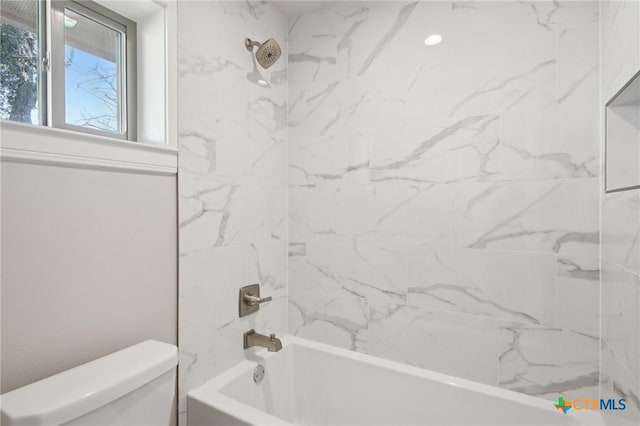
20, 76
85, 81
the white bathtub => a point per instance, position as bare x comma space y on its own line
309, 383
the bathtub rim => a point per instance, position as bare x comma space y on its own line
209, 393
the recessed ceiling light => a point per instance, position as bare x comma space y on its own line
433, 39
263, 83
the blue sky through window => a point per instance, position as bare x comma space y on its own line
91, 95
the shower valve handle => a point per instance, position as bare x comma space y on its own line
249, 300
252, 300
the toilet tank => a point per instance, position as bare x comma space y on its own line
132, 387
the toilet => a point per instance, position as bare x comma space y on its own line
132, 387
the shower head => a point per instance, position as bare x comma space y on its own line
267, 53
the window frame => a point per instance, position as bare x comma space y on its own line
43, 63
128, 67
50, 33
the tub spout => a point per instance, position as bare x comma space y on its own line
271, 342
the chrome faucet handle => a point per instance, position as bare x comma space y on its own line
252, 300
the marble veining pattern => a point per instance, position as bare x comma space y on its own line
547, 362
448, 196
617, 382
620, 284
404, 201
232, 184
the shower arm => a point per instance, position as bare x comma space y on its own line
250, 44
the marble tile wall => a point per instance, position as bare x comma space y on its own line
232, 183
620, 351
444, 201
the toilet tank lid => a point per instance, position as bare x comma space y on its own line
80, 390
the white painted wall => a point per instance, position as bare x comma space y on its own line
88, 266
151, 79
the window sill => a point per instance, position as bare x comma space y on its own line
26, 143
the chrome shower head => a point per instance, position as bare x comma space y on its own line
267, 53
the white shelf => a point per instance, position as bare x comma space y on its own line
622, 143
